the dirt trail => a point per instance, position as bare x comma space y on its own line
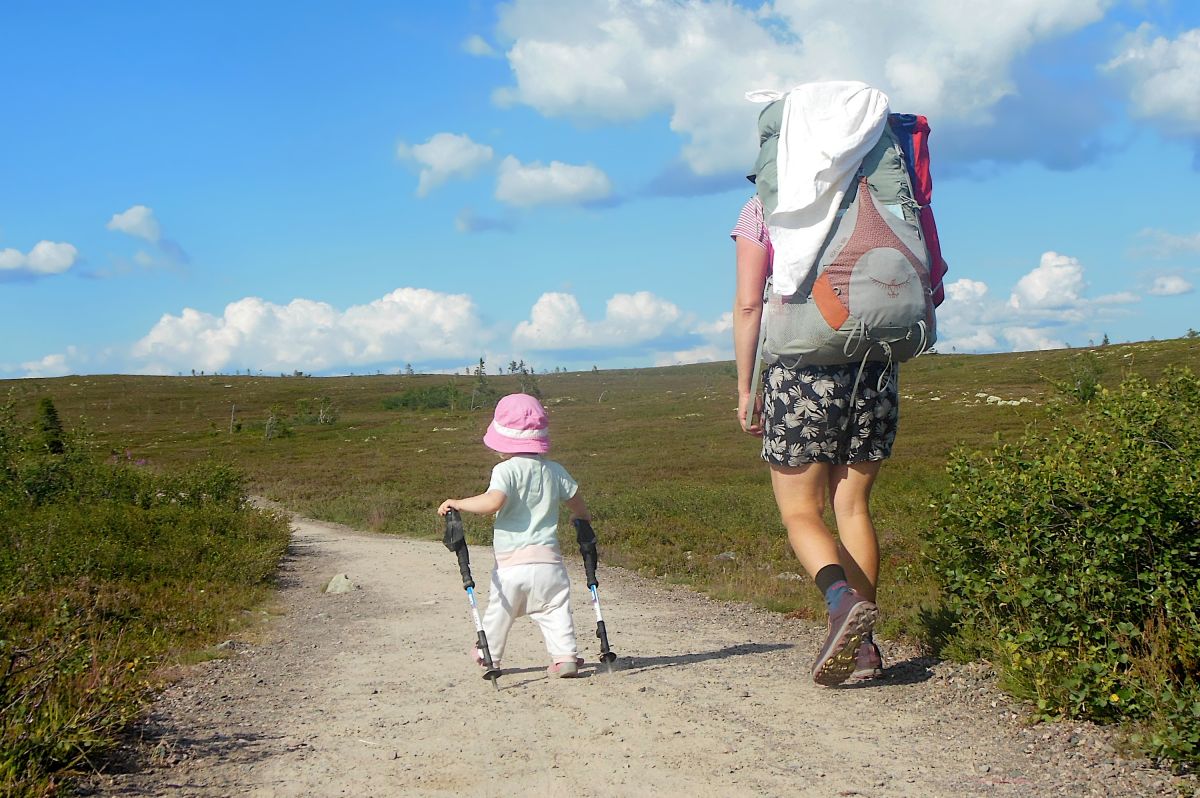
371, 693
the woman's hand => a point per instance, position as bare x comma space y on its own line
754, 427
447, 506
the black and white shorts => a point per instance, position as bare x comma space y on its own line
806, 417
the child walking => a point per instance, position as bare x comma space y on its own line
525, 491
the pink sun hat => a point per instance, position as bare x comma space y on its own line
519, 426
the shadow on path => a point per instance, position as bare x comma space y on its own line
909, 671
673, 660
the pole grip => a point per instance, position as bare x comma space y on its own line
464, 567
586, 537
455, 540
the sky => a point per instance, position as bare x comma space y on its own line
356, 188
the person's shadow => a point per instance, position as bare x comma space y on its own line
910, 671
624, 664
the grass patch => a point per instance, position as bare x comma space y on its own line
108, 570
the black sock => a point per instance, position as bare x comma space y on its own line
827, 576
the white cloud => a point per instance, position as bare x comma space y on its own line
963, 319
559, 183
138, 221
1167, 245
1163, 76
56, 365
1056, 284
407, 325
556, 321
467, 221
1170, 285
695, 60
1026, 339
1047, 307
46, 257
444, 156
697, 354
476, 45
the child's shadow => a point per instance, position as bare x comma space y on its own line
623, 664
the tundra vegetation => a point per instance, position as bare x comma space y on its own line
1039, 511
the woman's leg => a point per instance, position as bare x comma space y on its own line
850, 489
800, 496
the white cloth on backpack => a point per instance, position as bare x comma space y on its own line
828, 128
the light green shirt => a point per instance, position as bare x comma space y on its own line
534, 487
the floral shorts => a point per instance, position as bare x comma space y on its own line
806, 418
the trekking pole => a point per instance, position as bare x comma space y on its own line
456, 541
586, 537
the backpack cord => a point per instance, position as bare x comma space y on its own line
884, 377
924, 337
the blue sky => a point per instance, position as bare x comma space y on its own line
276, 186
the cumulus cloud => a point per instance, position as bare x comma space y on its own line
138, 221
46, 257
55, 365
1025, 339
444, 156
693, 61
697, 354
557, 321
526, 185
477, 45
1046, 307
1170, 285
1163, 77
1056, 283
406, 325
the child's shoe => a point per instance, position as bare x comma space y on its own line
565, 670
477, 657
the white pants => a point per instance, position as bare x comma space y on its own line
543, 592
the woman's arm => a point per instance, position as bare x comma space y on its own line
482, 504
747, 316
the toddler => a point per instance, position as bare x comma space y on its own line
525, 491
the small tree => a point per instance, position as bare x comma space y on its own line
483, 393
528, 381
408, 370
49, 428
276, 426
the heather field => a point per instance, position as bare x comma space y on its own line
677, 489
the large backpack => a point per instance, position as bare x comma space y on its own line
871, 295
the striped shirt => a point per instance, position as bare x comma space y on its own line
750, 224
752, 227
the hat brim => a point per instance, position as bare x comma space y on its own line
505, 445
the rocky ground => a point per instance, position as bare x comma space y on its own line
371, 693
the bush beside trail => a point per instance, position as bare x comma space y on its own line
107, 571
1071, 560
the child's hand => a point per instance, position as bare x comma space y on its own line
447, 506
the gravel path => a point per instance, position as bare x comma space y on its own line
371, 693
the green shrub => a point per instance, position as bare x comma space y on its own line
1072, 559
106, 570
428, 397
